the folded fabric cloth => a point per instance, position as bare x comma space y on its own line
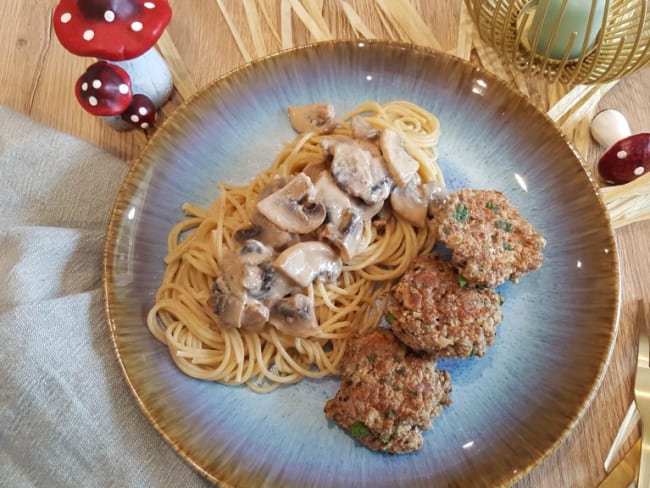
67, 417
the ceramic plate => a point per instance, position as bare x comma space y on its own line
510, 408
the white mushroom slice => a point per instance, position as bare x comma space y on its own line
401, 165
292, 207
412, 202
241, 270
254, 315
250, 273
272, 186
337, 201
255, 252
275, 285
262, 229
347, 236
315, 117
314, 169
241, 312
308, 261
295, 316
228, 306
361, 129
358, 171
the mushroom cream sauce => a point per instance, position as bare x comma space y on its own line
242, 301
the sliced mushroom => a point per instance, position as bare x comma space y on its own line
228, 306
275, 285
400, 163
292, 207
272, 186
361, 128
237, 310
255, 252
295, 316
347, 236
262, 229
247, 287
315, 117
314, 169
240, 274
337, 201
358, 169
255, 315
412, 201
250, 272
308, 261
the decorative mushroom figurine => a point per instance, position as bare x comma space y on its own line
627, 156
124, 32
104, 89
141, 113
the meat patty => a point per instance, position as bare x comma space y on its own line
388, 394
433, 309
491, 242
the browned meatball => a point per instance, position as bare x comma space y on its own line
491, 242
388, 394
433, 309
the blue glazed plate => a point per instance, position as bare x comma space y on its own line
510, 409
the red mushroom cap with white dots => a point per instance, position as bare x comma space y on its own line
626, 159
110, 29
104, 89
141, 113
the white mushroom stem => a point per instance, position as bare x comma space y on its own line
150, 76
609, 126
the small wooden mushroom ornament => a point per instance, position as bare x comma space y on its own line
627, 156
124, 33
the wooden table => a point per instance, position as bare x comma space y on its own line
37, 77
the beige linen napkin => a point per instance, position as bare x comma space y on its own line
67, 417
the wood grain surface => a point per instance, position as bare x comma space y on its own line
37, 76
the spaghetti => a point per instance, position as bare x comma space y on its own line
182, 319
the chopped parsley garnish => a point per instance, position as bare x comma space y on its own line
371, 358
401, 371
385, 439
462, 281
462, 213
390, 318
359, 429
472, 352
501, 299
507, 246
502, 224
389, 413
492, 206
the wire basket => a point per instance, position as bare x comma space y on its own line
538, 38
